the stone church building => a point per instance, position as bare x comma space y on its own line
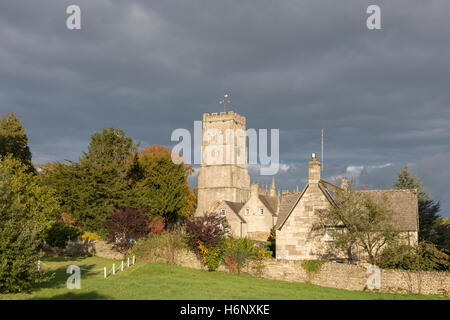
253, 211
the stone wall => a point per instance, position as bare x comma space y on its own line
341, 276
104, 249
332, 274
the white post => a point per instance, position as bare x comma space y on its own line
128, 262
104, 269
39, 265
133, 259
114, 269
121, 268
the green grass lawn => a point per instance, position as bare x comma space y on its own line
160, 281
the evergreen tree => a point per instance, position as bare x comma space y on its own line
26, 209
428, 209
99, 183
14, 141
162, 188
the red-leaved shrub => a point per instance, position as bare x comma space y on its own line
126, 226
156, 225
208, 229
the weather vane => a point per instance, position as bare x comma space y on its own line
225, 101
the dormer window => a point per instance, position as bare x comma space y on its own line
247, 212
261, 211
223, 212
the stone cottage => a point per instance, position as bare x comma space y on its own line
296, 238
253, 210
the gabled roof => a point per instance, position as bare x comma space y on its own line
404, 203
287, 204
235, 207
270, 202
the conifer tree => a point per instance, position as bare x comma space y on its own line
14, 141
428, 208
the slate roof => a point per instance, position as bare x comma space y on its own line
404, 203
287, 203
235, 207
270, 202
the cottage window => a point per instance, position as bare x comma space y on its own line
223, 212
247, 211
261, 211
329, 234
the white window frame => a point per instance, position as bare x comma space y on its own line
261, 211
223, 212
247, 212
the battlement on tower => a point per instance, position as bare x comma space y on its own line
223, 116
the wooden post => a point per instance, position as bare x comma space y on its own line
133, 259
114, 269
128, 262
104, 269
121, 268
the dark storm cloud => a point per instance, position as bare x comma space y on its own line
149, 67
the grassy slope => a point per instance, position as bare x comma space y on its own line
159, 281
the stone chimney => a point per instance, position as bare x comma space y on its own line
314, 170
254, 189
344, 183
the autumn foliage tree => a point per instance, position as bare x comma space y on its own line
161, 186
112, 175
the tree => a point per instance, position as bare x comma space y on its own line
359, 222
26, 209
125, 226
428, 209
99, 183
14, 141
161, 187
442, 233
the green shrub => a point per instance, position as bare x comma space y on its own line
425, 257
60, 233
157, 247
312, 266
211, 257
238, 252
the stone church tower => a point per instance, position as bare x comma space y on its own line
223, 171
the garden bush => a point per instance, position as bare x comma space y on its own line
91, 236
426, 257
60, 233
207, 230
156, 225
239, 252
125, 227
157, 247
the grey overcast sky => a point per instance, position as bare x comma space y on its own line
149, 67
